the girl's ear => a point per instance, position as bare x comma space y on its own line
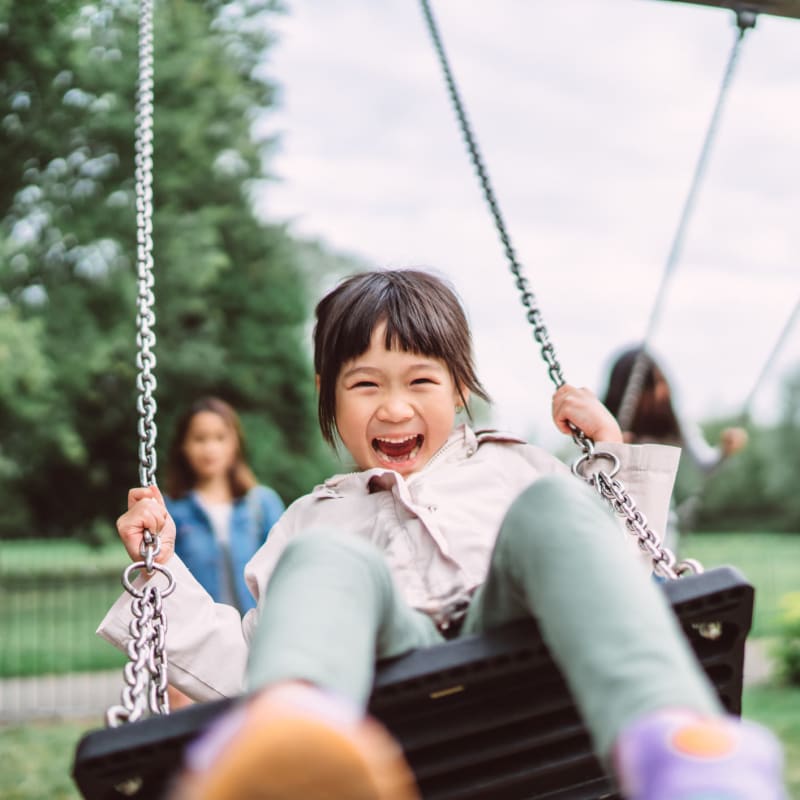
316, 382
462, 398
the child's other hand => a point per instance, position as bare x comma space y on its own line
582, 408
146, 510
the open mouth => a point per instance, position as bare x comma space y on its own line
398, 449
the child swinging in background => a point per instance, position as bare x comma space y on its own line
441, 532
655, 420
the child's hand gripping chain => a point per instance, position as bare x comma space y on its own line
146, 511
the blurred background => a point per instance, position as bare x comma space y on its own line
299, 142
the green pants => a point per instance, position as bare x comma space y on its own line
331, 610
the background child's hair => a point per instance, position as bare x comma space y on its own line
423, 315
180, 477
654, 416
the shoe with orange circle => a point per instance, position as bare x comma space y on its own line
295, 742
674, 755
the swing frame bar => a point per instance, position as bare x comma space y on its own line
776, 8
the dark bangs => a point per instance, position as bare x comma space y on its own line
422, 314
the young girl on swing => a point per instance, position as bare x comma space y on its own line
441, 532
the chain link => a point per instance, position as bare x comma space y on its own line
609, 488
145, 317
635, 385
145, 673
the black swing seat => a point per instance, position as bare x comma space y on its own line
479, 717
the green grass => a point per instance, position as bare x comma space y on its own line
770, 561
779, 709
36, 759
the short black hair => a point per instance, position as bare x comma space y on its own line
423, 315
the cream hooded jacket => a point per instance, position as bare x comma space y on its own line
437, 529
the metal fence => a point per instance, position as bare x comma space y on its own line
51, 661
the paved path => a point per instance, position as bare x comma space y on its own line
758, 663
86, 695
74, 696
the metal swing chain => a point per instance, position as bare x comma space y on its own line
745, 20
744, 414
146, 671
605, 483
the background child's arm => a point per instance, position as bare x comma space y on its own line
582, 408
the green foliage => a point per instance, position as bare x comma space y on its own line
787, 449
787, 650
231, 291
756, 488
779, 709
740, 493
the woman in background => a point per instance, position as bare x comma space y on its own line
656, 421
221, 512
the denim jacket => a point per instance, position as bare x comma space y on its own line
252, 517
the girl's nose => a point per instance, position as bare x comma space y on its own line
395, 409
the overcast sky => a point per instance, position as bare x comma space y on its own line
590, 115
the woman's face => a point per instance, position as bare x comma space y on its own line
210, 445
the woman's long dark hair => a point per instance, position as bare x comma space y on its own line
180, 477
654, 417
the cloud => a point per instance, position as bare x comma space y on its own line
591, 117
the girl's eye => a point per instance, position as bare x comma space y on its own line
422, 380
364, 385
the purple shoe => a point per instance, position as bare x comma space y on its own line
672, 755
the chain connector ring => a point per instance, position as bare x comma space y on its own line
137, 565
578, 468
689, 566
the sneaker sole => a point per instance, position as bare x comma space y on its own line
291, 757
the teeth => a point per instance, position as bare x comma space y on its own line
400, 440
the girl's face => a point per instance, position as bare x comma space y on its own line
394, 409
210, 445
